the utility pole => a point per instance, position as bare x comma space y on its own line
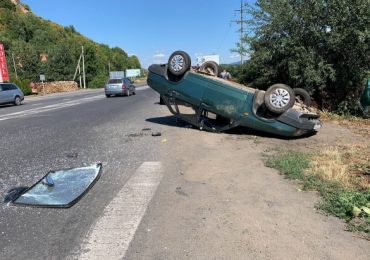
78, 69
83, 67
15, 68
241, 30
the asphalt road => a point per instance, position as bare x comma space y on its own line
42, 134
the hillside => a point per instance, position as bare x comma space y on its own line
43, 47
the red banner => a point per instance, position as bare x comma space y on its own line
3, 69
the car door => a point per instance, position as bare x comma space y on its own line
224, 100
2, 94
7, 93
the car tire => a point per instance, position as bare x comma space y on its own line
302, 96
179, 63
279, 98
108, 96
210, 67
17, 101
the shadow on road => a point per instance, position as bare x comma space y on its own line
175, 122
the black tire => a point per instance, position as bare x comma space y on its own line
179, 63
302, 96
17, 101
210, 67
108, 96
279, 98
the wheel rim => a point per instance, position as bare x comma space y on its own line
177, 63
279, 98
17, 101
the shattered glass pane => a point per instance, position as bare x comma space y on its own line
61, 188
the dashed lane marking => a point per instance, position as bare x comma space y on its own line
113, 232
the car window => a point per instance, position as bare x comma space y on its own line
6, 87
114, 81
12, 86
1, 87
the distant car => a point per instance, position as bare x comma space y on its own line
10, 93
215, 104
119, 86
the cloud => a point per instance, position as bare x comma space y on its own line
234, 56
159, 57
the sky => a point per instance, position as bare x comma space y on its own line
151, 29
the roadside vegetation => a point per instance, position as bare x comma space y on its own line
341, 175
321, 46
39, 47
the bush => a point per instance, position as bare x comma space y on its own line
7, 4
24, 85
98, 81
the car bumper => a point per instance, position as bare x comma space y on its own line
302, 121
114, 92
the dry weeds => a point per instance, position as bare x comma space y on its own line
348, 165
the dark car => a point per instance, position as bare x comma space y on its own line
11, 93
119, 86
215, 104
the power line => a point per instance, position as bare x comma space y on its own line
241, 30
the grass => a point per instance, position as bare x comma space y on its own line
332, 173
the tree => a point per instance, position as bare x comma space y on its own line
322, 46
7, 4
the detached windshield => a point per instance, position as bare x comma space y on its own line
61, 188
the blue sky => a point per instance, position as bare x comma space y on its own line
151, 29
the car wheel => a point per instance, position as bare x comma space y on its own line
108, 96
179, 63
302, 96
279, 98
17, 101
210, 67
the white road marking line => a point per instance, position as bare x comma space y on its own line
112, 234
49, 108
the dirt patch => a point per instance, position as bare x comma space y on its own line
235, 207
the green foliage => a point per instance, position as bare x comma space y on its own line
292, 164
337, 200
24, 85
98, 81
321, 46
27, 36
7, 4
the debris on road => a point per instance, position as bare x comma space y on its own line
156, 134
58, 189
72, 155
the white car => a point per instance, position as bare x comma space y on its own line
10, 93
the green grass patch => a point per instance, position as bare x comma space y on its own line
291, 164
337, 200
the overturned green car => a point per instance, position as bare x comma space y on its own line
208, 102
